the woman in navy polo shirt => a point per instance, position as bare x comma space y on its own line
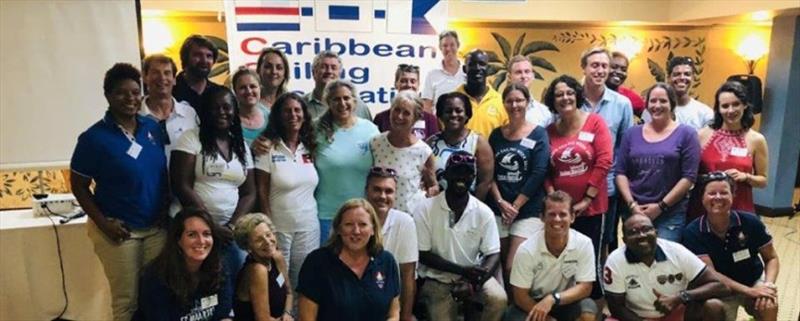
351, 277
124, 155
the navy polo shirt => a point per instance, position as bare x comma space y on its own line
183, 92
126, 188
737, 255
340, 294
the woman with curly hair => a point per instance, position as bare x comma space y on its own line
343, 157
188, 281
286, 180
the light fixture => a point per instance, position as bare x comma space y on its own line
628, 45
752, 49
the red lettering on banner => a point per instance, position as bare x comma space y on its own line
246, 45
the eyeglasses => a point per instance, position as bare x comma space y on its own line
378, 171
714, 176
461, 159
408, 68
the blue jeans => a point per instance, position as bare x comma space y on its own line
324, 230
670, 224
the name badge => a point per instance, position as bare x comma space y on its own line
280, 280
215, 170
738, 152
741, 255
419, 124
134, 150
586, 137
209, 301
528, 143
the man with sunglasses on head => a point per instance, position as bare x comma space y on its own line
734, 244
406, 77
399, 233
656, 279
459, 249
174, 117
688, 110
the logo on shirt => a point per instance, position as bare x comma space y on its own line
363, 147
671, 278
570, 157
632, 283
514, 162
278, 158
380, 280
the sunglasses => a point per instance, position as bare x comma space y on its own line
461, 159
378, 171
714, 176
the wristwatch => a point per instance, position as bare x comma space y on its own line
684, 296
556, 298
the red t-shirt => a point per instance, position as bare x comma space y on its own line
582, 160
636, 101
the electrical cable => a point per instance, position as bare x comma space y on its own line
60, 263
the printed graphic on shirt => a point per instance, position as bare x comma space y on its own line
572, 159
514, 162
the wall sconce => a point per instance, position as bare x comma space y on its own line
627, 45
752, 49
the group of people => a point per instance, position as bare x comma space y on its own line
257, 203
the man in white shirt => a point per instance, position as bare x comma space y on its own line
399, 233
459, 249
326, 67
689, 111
520, 71
554, 270
174, 117
656, 279
446, 78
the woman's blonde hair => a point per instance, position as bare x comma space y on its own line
375, 244
246, 224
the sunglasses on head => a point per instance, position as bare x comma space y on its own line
714, 176
461, 159
382, 172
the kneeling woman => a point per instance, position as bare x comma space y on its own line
263, 290
351, 277
187, 280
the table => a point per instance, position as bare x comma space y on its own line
30, 276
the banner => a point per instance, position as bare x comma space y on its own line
371, 36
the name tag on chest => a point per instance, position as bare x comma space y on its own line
738, 151
134, 150
586, 137
528, 143
209, 301
280, 280
741, 255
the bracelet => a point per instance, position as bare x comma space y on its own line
632, 204
663, 206
589, 196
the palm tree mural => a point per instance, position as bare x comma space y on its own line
497, 63
221, 66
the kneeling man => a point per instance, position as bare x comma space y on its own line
656, 279
553, 271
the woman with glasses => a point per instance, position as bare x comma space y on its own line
731, 145
286, 179
521, 150
352, 277
580, 158
455, 110
252, 112
404, 152
211, 167
262, 290
657, 164
343, 157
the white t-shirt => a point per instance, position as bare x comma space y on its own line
183, 118
400, 236
216, 181
465, 243
293, 179
408, 162
536, 268
671, 272
538, 114
439, 82
694, 114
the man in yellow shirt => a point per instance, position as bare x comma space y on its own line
488, 112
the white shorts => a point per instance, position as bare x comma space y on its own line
523, 228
